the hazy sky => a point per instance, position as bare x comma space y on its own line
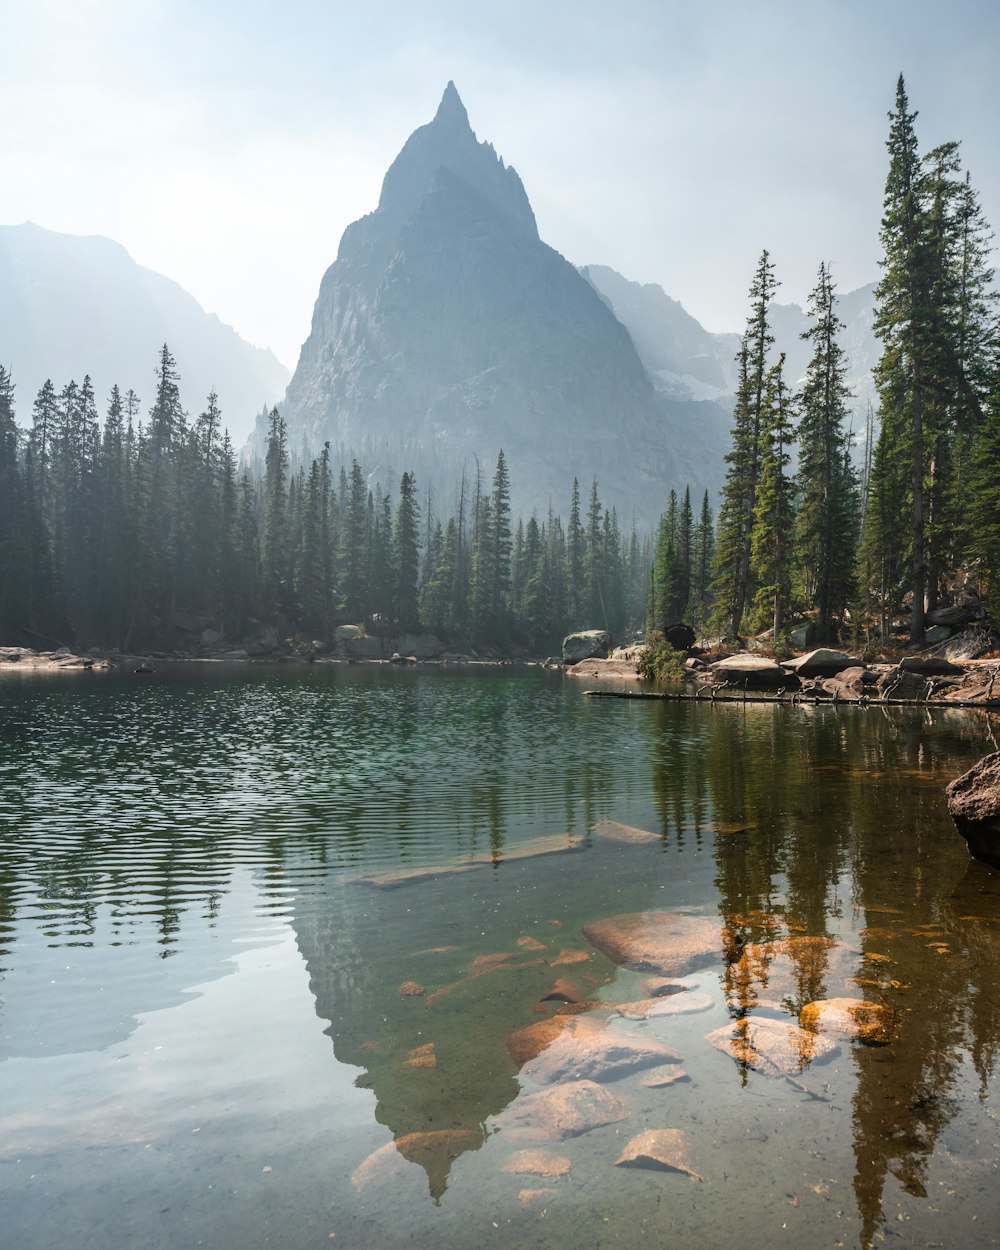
228, 143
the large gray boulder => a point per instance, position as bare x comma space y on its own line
822, 662
585, 645
754, 671
420, 646
974, 803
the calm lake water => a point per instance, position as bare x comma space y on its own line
210, 897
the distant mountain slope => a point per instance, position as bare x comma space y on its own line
687, 361
683, 358
72, 305
447, 329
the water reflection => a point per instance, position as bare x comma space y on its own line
816, 836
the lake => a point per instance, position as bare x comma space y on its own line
258, 925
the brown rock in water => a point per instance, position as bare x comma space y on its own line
530, 944
850, 1018
486, 963
582, 1048
674, 1005
774, 1047
435, 1152
537, 1163
664, 1149
563, 1111
624, 833
974, 803
422, 1056
527, 1196
571, 957
411, 989
659, 1078
563, 991
671, 943
527, 1043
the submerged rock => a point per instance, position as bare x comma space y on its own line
671, 943
563, 1111
663, 1149
537, 1163
624, 833
774, 1047
572, 1048
974, 803
849, 1018
673, 1005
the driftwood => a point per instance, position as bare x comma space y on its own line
791, 698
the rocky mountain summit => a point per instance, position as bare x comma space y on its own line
446, 329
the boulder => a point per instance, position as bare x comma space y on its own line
590, 1050
210, 637
420, 646
852, 683
756, 671
563, 1111
802, 635
974, 803
936, 634
900, 683
624, 833
343, 633
774, 1047
670, 943
929, 666
849, 1018
822, 662
585, 644
663, 1149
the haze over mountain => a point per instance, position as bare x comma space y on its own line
446, 329
686, 361
72, 305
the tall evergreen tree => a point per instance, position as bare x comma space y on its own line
826, 522
733, 586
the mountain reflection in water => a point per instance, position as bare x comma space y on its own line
436, 845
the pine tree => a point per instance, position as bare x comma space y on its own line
771, 539
407, 554
826, 521
733, 585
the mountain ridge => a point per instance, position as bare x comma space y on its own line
80, 304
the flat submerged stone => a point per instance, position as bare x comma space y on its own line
661, 1149
671, 943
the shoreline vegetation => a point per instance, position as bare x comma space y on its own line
907, 682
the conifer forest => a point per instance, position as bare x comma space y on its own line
120, 520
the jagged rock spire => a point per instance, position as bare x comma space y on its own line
451, 110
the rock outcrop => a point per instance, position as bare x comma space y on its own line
447, 329
974, 803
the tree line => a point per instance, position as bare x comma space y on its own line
840, 539
112, 532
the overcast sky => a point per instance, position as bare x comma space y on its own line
228, 144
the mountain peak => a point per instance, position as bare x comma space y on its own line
451, 110
449, 143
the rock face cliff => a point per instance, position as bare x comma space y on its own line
446, 329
